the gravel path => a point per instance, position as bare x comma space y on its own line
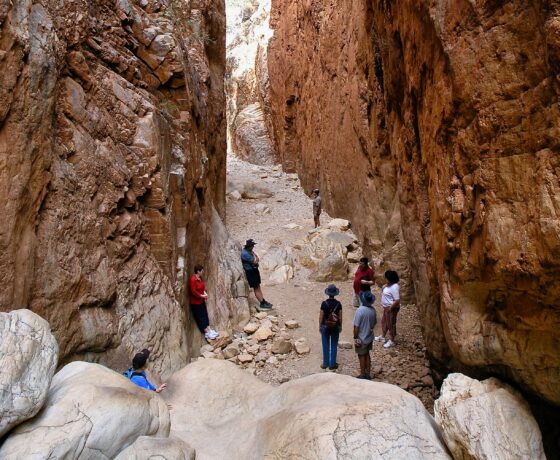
404, 365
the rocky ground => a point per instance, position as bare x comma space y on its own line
279, 218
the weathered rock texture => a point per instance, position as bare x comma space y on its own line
150, 448
486, 420
112, 136
91, 412
323, 416
248, 104
28, 359
435, 127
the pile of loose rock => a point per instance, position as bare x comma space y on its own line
265, 341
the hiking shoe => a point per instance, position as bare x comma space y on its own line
323, 366
334, 367
379, 338
268, 304
265, 306
389, 344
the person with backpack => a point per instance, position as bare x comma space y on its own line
365, 319
330, 325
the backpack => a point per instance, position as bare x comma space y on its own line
331, 322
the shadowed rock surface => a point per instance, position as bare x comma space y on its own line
434, 127
113, 135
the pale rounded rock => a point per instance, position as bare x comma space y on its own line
28, 359
251, 328
291, 324
150, 448
302, 346
282, 346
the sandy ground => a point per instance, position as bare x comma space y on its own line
300, 299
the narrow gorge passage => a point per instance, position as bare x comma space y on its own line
281, 224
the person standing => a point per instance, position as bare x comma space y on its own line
365, 320
330, 325
390, 301
363, 280
250, 262
316, 207
198, 296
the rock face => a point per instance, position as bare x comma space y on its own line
439, 123
113, 133
486, 420
28, 359
248, 105
300, 419
91, 412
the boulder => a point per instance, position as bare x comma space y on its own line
245, 358
263, 333
325, 253
332, 268
282, 346
486, 420
91, 412
291, 324
276, 257
235, 195
150, 448
251, 328
281, 275
339, 224
28, 359
231, 351
302, 346
224, 338
260, 315
302, 418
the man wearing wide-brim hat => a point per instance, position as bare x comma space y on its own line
250, 262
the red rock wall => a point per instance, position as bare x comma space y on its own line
437, 124
112, 147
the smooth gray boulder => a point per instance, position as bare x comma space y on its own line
28, 359
91, 412
486, 420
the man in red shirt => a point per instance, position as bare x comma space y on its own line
363, 280
198, 296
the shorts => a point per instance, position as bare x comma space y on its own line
253, 277
364, 349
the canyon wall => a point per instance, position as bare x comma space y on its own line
247, 86
434, 126
112, 147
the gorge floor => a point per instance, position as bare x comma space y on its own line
404, 365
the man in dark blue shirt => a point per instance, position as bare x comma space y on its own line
250, 263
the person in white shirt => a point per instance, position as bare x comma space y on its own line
390, 301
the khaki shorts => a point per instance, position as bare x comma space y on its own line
364, 349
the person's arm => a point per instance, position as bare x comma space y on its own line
162, 387
366, 282
396, 296
255, 259
340, 317
247, 257
321, 316
194, 288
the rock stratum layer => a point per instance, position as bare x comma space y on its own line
434, 127
112, 139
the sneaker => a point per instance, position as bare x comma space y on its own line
211, 335
265, 306
268, 304
379, 338
389, 344
323, 366
334, 367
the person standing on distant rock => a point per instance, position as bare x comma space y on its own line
316, 207
390, 301
365, 320
198, 296
330, 325
250, 262
363, 280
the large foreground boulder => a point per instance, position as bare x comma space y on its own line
224, 412
28, 359
486, 420
91, 412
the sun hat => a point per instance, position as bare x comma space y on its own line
367, 298
332, 290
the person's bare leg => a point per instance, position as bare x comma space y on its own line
362, 359
259, 294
